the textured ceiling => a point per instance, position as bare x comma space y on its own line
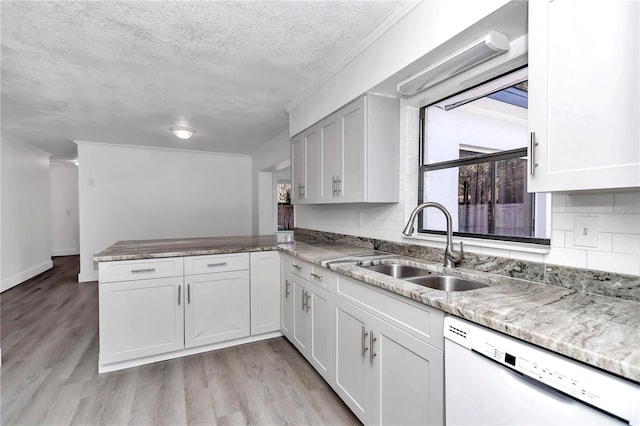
124, 72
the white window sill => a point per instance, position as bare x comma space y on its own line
481, 243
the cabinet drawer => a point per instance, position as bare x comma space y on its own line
300, 268
320, 276
425, 323
128, 270
194, 265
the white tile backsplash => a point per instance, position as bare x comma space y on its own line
626, 243
590, 203
626, 202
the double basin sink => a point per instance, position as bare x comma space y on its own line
425, 278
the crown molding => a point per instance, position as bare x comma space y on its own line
160, 148
389, 21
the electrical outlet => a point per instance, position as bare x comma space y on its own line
585, 231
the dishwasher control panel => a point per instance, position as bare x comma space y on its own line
588, 384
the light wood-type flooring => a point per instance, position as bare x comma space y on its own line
49, 373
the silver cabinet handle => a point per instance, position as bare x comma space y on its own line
179, 294
211, 265
316, 276
286, 289
143, 270
304, 299
363, 341
339, 186
188, 293
532, 153
298, 267
335, 185
304, 191
308, 300
371, 340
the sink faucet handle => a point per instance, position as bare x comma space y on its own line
454, 257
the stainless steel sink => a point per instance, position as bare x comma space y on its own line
399, 271
447, 283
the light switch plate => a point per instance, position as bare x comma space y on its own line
585, 231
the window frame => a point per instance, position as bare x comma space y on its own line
476, 159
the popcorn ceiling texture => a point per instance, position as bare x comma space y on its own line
124, 72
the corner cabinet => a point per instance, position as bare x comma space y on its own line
381, 353
350, 156
584, 108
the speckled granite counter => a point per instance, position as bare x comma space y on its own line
148, 249
598, 330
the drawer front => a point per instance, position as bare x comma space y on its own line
194, 265
129, 270
320, 276
425, 323
300, 268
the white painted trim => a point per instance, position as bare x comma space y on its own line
477, 242
185, 352
23, 276
85, 277
66, 252
389, 21
160, 148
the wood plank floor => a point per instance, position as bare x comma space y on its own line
49, 372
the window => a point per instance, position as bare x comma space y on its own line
285, 208
473, 161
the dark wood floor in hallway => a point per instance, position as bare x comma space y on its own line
49, 372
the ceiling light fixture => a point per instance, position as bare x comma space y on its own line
473, 54
182, 132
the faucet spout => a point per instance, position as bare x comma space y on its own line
451, 257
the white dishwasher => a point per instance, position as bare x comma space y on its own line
494, 379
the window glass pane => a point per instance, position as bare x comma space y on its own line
496, 122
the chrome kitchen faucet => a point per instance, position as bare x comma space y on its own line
451, 258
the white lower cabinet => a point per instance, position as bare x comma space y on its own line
312, 324
217, 308
140, 318
385, 375
265, 292
381, 353
155, 309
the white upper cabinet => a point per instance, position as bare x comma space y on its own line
350, 156
584, 95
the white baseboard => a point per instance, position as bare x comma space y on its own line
85, 277
184, 352
65, 252
21, 277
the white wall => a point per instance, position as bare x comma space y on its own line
26, 221
65, 219
274, 156
129, 192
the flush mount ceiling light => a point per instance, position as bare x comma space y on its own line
183, 132
492, 44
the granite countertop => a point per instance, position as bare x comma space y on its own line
598, 330
149, 249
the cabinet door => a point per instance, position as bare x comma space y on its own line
331, 157
301, 322
265, 292
286, 325
140, 318
320, 317
351, 185
298, 165
217, 307
311, 139
408, 378
583, 94
352, 369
